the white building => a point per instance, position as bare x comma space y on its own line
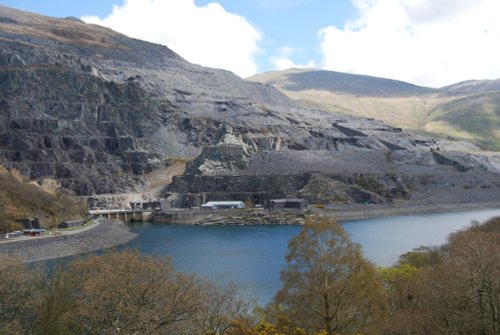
223, 205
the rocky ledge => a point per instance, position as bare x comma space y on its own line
105, 234
232, 217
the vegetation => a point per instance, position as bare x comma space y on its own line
18, 286
328, 288
114, 293
20, 199
474, 118
471, 116
453, 290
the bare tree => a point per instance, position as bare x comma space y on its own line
18, 295
464, 290
217, 311
328, 285
405, 287
128, 293
56, 299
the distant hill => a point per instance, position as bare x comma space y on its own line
474, 86
297, 80
112, 118
468, 111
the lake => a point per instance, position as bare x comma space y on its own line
251, 257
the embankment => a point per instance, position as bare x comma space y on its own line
338, 212
105, 234
231, 217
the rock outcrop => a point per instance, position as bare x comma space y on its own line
98, 112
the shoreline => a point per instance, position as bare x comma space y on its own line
102, 235
51, 234
108, 233
294, 217
366, 212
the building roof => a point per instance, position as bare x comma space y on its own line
223, 203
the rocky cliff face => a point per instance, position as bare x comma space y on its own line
337, 177
98, 111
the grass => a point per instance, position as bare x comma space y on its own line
474, 118
62, 31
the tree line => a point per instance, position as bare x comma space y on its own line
328, 288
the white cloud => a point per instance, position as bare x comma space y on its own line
426, 42
207, 35
282, 60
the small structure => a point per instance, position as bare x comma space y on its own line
70, 224
147, 206
289, 203
30, 223
14, 234
136, 205
33, 232
223, 205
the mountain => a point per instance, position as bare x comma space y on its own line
297, 80
88, 106
110, 116
468, 111
474, 86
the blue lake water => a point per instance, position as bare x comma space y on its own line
251, 257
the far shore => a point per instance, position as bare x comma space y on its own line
111, 233
364, 212
256, 216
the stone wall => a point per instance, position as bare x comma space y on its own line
233, 217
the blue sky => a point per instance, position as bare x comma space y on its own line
289, 23
426, 42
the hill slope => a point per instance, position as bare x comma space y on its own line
297, 80
103, 113
468, 111
21, 199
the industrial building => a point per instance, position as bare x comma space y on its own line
288, 203
223, 205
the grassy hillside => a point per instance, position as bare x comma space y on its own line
20, 199
474, 117
460, 111
297, 80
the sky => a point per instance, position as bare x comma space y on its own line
425, 42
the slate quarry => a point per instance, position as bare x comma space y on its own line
98, 112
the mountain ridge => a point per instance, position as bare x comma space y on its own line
299, 79
474, 86
469, 110
102, 117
